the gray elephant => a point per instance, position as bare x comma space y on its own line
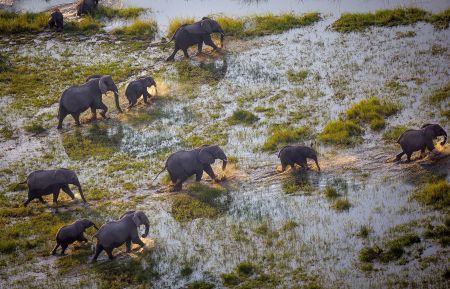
70, 233
414, 140
137, 88
56, 20
183, 164
196, 33
86, 6
297, 154
77, 99
114, 234
46, 182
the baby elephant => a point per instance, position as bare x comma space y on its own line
183, 164
71, 233
113, 234
46, 182
56, 20
414, 140
137, 88
291, 155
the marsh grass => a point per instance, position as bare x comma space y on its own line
242, 116
331, 193
441, 94
11, 22
87, 25
441, 20
146, 29
435, 194
7, 132
394, 249
341, 132
393, 133
341, 205
297, 76
349, 22
177, 22
440, 232
110, 13
284, 135
200, 284
197, 74
372, 112
289, 225
35, 127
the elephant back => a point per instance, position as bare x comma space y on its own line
43, 179
406, 132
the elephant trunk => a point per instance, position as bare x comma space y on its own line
445, 139
147, 227
224, 164
116, 99
81, 193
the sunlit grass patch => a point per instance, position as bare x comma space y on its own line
297, 76
283, 135
242, 116
176, 22
110, 13
86, 25
440, 94
11, 22
393, 133
441, 20
435, 194
331, 193
341, 132
140, 28
360, 21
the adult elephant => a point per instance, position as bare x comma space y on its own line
114, 234
77, 99
46, 182
183, 164
291, 155
196, 33
137, 88
414, 140
86, 6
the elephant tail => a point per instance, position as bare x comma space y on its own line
165, 167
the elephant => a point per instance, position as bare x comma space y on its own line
70, 233
76, 99
85, 6
414, 140
113, 234
297, 154
46, 182
137, 88
196, 33
93, 77
56, 20
183, 164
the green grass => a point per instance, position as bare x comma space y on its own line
87, 25
283, 135
441, 20
7, 132
394, 249
372, 112
393, 133
200, 285
331, 193
242, 116
297, 77
110, 13
435, 194
441, 94
245, 268
341, 205
175, 23
11, 22
139, 29
290, 225
197, 74
349, 22
439, 232
341, 132
364, 231
35, 127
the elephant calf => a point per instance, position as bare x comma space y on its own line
56, 20
137, 88
113, 234
291, 155
183, 164
414, 140
71, 233
46, 182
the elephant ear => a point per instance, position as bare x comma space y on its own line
103, 84
138, 218
205, 155
207, 25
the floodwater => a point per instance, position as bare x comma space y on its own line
325, 242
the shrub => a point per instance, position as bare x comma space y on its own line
285, 135
140, 28
242, 116
342, 132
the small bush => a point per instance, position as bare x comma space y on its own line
441, 20
441, 94
393, 133
436, 194
186, 271
242, 116
342, 132
285, 135
349, 22
342, 205
140, 29
297, 77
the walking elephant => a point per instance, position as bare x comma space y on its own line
46, 182
71, 233
86, 6
291, 155
137, 88
414, 140
196, 33
183, 164
77, 99
114, 234
56, 20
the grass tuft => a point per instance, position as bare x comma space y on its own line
35, 127
441, 20
297, 77
341, 205
435, 194
331, 193
341, 132
242, 116
11, 22
139, 29
280, 136
110, 13
372, 111
440, 94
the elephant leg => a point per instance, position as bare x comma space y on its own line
186, 54
198, 176
55, 197
109, 252
179, 184
76, 117
67, 190
138, 241
200, 47
208, 41
104, 109
408, 157
61, 116
42, 200
63, 249
422, 153
146, 96
128, 244
54, 249
93, 113
399, 156
82, 238
98, 249
172, 56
